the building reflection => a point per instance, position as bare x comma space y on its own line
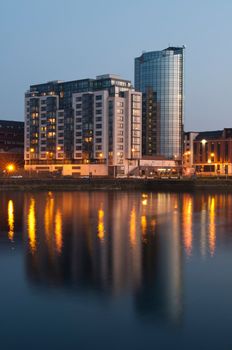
111, 243
115, 244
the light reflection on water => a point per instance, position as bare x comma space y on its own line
118, 245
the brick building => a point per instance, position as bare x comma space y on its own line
11, 144
212, 152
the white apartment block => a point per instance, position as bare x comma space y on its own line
95, 132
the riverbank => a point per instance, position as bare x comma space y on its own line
109, 184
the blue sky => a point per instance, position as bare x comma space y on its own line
72, 39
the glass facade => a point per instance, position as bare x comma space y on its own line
162, 73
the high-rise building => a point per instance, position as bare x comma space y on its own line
159, 76
83, 127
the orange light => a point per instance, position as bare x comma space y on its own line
10, 168
58, 148
32, 150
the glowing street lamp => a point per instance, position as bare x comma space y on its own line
203, 142
10, 168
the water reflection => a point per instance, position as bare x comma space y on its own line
11, 220
212, 230
187, 223
58, 231
32, 226
101, 227
119, 244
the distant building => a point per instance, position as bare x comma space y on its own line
11, 144
82, 127
159, 75
188, 167
212, 152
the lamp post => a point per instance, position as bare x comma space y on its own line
203, 142
31, 152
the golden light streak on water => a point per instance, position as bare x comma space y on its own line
10, 210
101, 227
32, 226
133, 227
187, 224
144, 224
58, 232
212, 229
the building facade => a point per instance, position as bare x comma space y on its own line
159, 75
212, 152
188, 167
11, 144
83, 127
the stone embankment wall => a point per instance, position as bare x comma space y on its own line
93, 184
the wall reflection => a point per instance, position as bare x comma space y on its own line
117, 244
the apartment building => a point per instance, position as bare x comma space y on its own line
83, 127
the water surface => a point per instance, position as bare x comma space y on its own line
115, 270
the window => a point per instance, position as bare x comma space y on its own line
99, 104
99, 119
99, 97
98, 133
98, 140
78, 99
98, 126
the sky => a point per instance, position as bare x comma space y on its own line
73, 39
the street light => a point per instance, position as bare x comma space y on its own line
10, 168
31, 151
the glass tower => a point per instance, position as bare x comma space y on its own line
159, 76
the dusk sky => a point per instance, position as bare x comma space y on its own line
67, 40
